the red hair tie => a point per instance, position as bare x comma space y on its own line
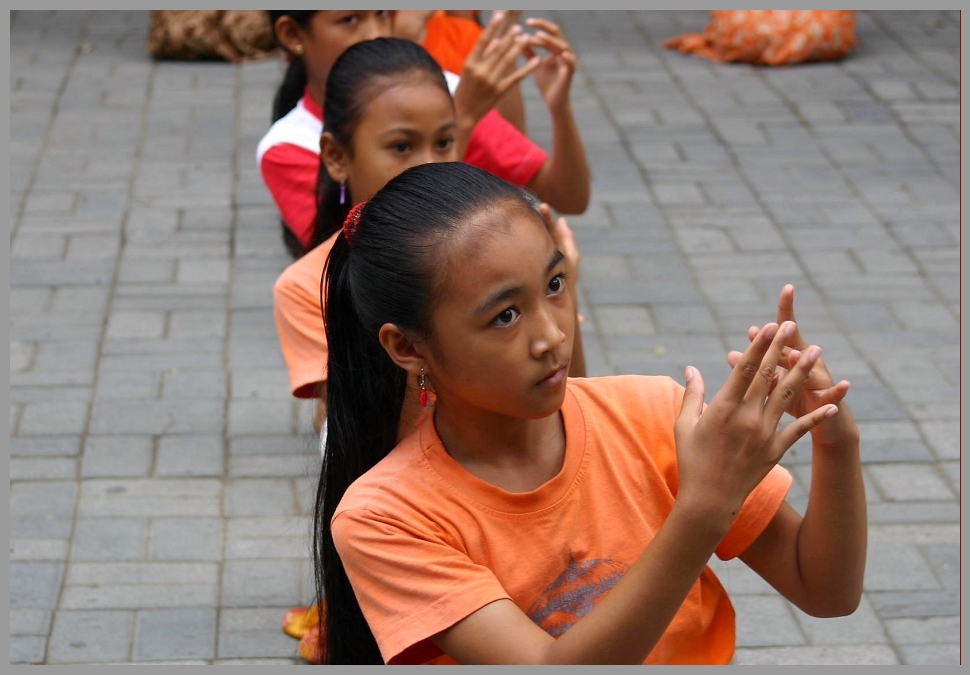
351, 222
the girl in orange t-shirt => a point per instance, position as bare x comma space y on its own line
388, 108
535, 518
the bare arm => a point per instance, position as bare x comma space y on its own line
818, 562
564, 180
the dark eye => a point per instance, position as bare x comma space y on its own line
446, 143
557, 284
506, 318
350, 18
401, 147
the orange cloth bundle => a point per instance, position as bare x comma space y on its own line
772, 37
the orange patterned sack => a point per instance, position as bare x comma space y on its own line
232, 35
772, 37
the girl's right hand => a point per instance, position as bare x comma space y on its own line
725, 452
490, 68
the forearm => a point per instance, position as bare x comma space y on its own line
564, 180
831, 544
577, 364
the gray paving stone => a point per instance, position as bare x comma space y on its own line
127, 385
90, 637
66, 418
153, 417
39, 549
27, 649
861, 627
194, 385
30, 622
263, 417
930, 630
194, 324
117, 456
43, 498
765, 621
817, 656
186, 539
271, 445
129, 325
109, 539
167, 634
264, 497
192, 455
149, 498
931, 655
42, 468
904, 481
35, 585
251, 583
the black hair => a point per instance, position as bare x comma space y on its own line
288, 95
391, 272
359, 74
294, 81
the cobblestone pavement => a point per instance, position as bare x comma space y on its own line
160, 472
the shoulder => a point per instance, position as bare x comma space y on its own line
302, 277
392, 485
299, 128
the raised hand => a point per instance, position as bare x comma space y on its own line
725, 452
554, 73
818, 389
490, 67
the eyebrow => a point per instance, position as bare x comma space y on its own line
411, 131
512, 291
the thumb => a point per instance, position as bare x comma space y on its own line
693, 404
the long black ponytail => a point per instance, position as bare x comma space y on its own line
390, 272
361, 73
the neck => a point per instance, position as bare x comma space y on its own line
517, 455
317, 91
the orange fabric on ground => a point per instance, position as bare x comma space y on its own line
425, 543
450, 39
772, 37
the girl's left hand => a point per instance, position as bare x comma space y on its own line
818, 389
555, 72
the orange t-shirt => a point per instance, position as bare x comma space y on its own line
425, 543
299, 320
450, 39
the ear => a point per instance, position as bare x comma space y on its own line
289, 34
335, 157
402, 350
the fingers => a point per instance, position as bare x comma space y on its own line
693, 404
749, 365
787, 388
786, 437
786, 304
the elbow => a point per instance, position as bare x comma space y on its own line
835, 605
571, 202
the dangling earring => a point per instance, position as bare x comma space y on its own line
343, 192
423, 396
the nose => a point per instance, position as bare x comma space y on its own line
549, 335
374, 28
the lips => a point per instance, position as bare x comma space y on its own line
554, 377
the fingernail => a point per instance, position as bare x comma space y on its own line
813, 354
789, 329
832, 409
688, 373
771, 331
